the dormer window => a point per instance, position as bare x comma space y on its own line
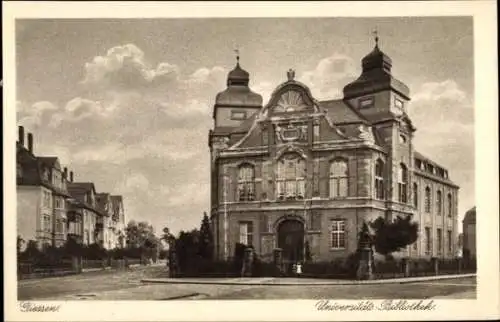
366, 102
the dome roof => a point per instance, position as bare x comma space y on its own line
375, 76
238, 76
238, 93
238, 96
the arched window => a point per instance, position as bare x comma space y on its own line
379, 179
427, 199
403, 183
338, 179
450, 205
291, 177
439, 202
246, 183
415, 195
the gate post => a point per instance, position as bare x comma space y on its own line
278, 259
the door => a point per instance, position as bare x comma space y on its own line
291, 241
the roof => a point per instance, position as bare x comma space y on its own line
341, 112
81, 186
422, 157
238, 96
470, 215
50, 161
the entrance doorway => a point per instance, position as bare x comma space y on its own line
291, 241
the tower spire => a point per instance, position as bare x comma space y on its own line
375, 34
237, 52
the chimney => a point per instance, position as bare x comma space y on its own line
71, 176
21, 135
65, 173
30, 142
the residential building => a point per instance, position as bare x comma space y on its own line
41, 196
118, 220
469, 234
84, 209
299, 170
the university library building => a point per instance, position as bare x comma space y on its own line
297, 170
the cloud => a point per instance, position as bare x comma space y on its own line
447, 90
125, 67
450, 139
329, 76
36, 114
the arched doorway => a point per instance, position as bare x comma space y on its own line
291, 240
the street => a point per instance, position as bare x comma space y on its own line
112, 285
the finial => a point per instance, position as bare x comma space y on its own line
375, 33
237, 51
290, 74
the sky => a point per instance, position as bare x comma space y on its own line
127, 104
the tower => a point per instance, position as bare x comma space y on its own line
383, 100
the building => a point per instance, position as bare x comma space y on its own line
85, 210
119, 225
469, 234
113, 222
299, 170
41, 194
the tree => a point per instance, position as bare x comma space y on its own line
393, 236
19, 245
141, 238
206, 238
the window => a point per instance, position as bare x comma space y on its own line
450, 205
449, 241
46, 225
427, 199
238, 115
58, 203
403, 183
246, 233
415, 245
291, 177
439, 236
439, 202
46, 199
402, 139
415, 195
246, 183
428, 241
337, 234
366, 102
59, 226
338, 179
379, 179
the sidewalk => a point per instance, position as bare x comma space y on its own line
279, 281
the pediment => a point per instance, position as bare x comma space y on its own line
290, 101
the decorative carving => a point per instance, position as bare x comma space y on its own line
290, 101
290, 74
291, 132
366, 134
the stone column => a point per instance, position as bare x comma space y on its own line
365, 266
278, 259
246, 270
435, 265
406, 267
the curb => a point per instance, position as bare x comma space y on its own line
298, 283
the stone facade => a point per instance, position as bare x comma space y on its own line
328, 166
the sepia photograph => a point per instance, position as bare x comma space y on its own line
188, 159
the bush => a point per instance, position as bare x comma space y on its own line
338, 268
